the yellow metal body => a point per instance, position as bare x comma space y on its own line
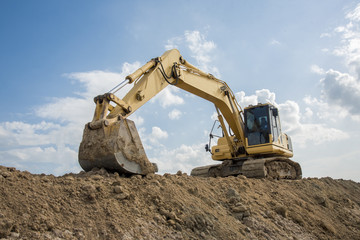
172, 69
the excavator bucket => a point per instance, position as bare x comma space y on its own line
116, 147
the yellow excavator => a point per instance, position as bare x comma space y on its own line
251, 143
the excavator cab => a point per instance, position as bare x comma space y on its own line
263, 131
257, 121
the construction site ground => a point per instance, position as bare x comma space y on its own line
102, 205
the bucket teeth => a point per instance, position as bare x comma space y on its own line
116, 148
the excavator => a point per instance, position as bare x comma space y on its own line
251, 144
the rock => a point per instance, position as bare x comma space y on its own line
167, 175
103, 172
122, 196
281, 210
136, 176
194, 191
14, 235
239, 209
241, 177
116, 183
96, 177
70, 178
178, 227
117, 189
234, 200
150, 175
158, 218
155, 183
5, 227
89, 188
246, 213
5, 174
232, 193
171, 222
327, 226
322, 201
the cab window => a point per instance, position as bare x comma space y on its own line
257, 125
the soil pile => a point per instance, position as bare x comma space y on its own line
102, 205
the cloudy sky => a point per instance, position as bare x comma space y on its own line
303, 56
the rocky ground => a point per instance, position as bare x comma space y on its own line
102, 205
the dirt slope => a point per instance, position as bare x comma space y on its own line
101, 205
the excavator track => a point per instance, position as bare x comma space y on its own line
272, 167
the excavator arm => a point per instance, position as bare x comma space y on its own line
172, 69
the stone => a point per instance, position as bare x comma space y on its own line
231, 193
171, 222
97, 177
122, 196
281, 210
5, 228
239, 209
118, 189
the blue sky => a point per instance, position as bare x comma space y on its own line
303, 56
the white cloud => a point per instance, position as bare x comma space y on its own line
173, 43
38, 159
316, 69
274, 42
175, 114
323, 35
24, 134
261, 96
341, 90
137, 119
184, 158
199, 46
168, 98
99, 82
157, 133
308, 113
201, 49
325, 50
325, 111
214, 116
246, 100
304, 134
68, 109
354, 15
350, 35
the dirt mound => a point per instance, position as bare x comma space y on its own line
102, 205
